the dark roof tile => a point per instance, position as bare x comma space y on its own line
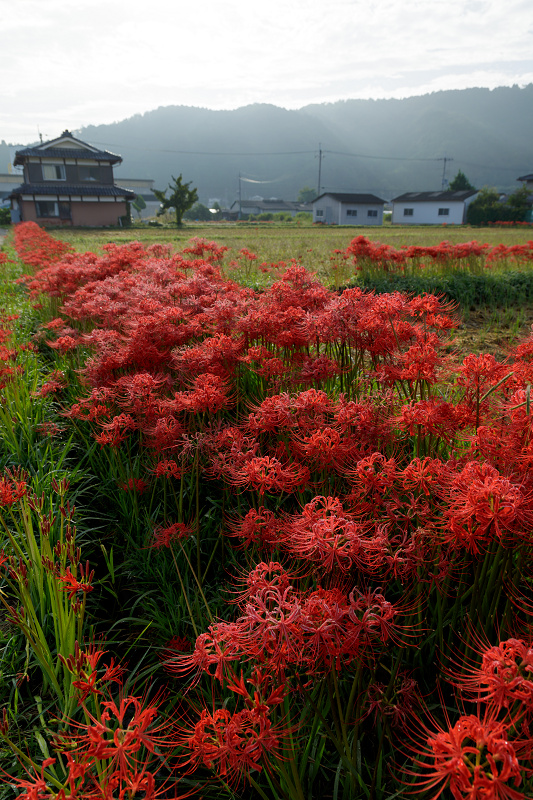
350, 197
59, 188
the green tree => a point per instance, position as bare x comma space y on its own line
487, 207
181, 198
306, 195
199, 212
460, 183
138, 204
520, 203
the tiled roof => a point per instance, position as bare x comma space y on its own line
59, 188
435, 197
354, 199
526, 178
66, 152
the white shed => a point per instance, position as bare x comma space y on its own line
343, 208
432, 208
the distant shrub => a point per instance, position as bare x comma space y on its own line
5, 216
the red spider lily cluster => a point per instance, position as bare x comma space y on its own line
374, 531
36, 248
362, 251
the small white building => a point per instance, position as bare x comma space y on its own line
343, 208
432, 208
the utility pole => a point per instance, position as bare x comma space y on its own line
240, 197
444, 181
319, 168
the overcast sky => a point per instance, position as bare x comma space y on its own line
70, 63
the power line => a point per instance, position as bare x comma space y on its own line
203, 152
382, 158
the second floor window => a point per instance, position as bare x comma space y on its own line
53, 172
89, 173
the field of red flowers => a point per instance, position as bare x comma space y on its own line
270, 544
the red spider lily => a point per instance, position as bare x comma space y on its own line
476, 758
13, 486
232, 745
265, 576
437, 417
256, 527
374, 474
164, 536
117, 430
122, 733
268, 474
396, 704
483, 502
73, 585
221, 645
134, 485
326, 534
55, 383
167, 469
165, 433
503, 679
323, 448
209, 394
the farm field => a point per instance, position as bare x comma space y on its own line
483, 329
311, 245
266, 534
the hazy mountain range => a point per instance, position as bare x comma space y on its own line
386, 147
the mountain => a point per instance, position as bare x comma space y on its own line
385, 147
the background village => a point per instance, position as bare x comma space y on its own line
69, 182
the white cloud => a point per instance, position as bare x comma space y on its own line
67, 63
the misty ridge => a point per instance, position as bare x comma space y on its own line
384, 147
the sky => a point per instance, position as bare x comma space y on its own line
72, 63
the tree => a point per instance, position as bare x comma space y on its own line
306, 195
519, 201
181, 198
460, 183
198, 212
138, 204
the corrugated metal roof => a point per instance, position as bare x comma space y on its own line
424, 197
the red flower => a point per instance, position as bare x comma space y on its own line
473, 759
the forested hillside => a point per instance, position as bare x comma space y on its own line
380, 146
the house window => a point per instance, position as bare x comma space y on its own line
51, 208
53, 172
372, 212
47, 208
319, 212
89, 173
444, 212
351, 212
408, 212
